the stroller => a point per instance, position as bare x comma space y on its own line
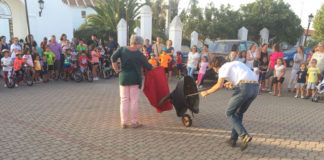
318, 91
184, 97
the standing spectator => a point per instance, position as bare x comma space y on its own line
6, 64
319, 56
57, 50
81, 47
44, 68
44, 44
273, 59
313, 74
148, 46
234, 54
300, 79
203, 67
63, 40
112, 45
164, 59
264, 52
38, 68
193, 60
242, 57
3, 44
94, 61
279, 73
170, 52
158, 46
93, 40
252, 55
50, 59
130, 78
14, 48
210, 72
30, 42
179, 64
299, 58
74, 41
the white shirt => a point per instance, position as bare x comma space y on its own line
255, 70
6, 61
279, 70
252, 55
320, 60
236, 71
193, 59
13, 53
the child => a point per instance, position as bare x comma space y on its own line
164, 59
50, 58
203, 67
258, 73
107, 66
74, 55
29, 61
44, 68
153, 60
242, 56
300, 80
179, 64
145, 53
94, 61
18, 64
83, 61
263, 67
38, 68
67, 64
278, 72
312, 79
6, 64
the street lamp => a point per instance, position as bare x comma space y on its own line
310, 18
41, 7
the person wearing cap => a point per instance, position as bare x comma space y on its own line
247, 88
6, 64
153, 61
164, 59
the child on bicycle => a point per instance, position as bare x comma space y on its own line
38, 68
44, 68
83, 61
67, 64
6, 64
18, 67
107, 66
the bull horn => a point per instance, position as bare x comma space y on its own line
164, 99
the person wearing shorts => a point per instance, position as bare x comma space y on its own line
313, 73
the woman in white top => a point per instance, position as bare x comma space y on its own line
299, 58
319, 56
252, 55
193, 60
234, 54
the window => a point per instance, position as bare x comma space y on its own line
83, 14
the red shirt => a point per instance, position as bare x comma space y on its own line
18, 63
83, 61
179, 60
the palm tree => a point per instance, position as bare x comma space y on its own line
109, 12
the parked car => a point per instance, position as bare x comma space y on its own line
290, 53
223, 47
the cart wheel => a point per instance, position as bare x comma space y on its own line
186, 120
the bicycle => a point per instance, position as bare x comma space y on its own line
28, 75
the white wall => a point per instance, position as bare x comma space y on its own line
77, 19
4, 28
18, 17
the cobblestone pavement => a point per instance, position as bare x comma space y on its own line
68, 120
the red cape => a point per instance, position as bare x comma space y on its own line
156, 87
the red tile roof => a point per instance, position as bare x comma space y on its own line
79, 3
310, 32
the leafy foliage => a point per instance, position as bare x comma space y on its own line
319, 25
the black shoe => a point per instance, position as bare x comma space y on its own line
231, 142
245, 140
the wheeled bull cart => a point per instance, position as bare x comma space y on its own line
184, 97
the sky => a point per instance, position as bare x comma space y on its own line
302, 8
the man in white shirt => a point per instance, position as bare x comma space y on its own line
14, 48
247, 88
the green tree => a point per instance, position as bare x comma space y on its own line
276, 15
319, 25
109, 12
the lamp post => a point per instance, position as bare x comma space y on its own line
41, 7
27, 18
310, 17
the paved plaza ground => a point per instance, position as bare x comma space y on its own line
68, 120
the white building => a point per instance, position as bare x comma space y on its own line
58, 16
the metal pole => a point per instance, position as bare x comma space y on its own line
27, 17
307, 33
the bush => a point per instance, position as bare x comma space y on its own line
85, 34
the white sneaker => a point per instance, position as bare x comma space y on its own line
95, 78
16, 85
302, 97
5, 85
200, 87
296, 96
